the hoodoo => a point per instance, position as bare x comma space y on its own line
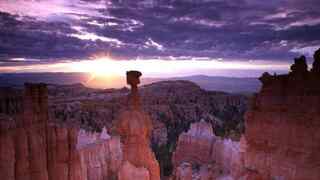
135, 126
33, 148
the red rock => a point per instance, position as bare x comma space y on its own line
135, 126
216, 157
116, 154
282, 126
195, 145
7, 157
183, 172
130, 172
31, 149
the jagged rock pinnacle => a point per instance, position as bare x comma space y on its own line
316, 63
300, 66
133, 80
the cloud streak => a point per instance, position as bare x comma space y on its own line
56, 30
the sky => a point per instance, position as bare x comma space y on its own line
158, 37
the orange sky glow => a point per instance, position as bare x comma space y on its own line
152, 68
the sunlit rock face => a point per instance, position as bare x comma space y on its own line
23, 140
202, 155
195, 145
34, 149
227, 155
62, 162
282, 126
135, 127
130, 172
101, 157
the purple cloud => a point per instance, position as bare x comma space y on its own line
245, 29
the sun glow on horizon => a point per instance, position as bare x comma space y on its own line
104, 70
105, 66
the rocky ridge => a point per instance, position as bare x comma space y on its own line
282, 125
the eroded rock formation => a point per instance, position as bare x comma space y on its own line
281, 141
131, 172
101, 157
202, 155
23, 140
195, 145
282, 126
316, 63
172, 106
32, 148
135, 127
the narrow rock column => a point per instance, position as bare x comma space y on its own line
134, 98
135, 126
7, 156
30, 135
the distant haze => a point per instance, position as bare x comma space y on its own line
217, 83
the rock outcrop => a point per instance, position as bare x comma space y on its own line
131, 172
10, 101
282, 126
135, 126
23, 140
183, 172
205, 156
32, 148
186, 171
195, 146
316, 63
101, 157
172, 106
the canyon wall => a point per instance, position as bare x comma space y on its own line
23, 140
32, 148
281, 141
282, 126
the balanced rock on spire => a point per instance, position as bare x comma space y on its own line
134, 127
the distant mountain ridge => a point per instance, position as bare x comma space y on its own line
18, 79
226, 84
213, 83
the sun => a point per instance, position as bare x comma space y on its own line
99, 67
103, 71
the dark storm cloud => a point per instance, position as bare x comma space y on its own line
230, 29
